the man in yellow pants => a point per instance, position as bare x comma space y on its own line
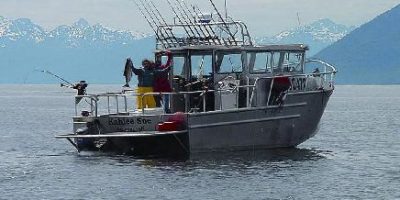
145, 84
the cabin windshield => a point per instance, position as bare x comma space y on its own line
262, 62
290, 62
201, 66
179, 66
229, 63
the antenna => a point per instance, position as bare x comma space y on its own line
226, 9
298, 18
224, 22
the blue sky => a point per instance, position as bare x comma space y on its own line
264, 17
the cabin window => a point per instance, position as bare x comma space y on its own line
201, 66
164, 59
262, 62
229, 63
293, 62
288, 62
178, 66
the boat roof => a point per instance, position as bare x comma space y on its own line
290, 47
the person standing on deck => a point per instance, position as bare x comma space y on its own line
145, 84
81, 90
161, 82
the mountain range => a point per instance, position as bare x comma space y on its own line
317, 35
78, 51
81, 33
370, 54
97, 54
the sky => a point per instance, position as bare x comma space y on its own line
263, 17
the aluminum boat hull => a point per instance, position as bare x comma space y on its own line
278, 126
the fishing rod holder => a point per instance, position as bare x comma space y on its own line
191, 26
233, 33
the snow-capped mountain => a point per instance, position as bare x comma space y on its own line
21, 29
78, 51
4, 25
81, 33
318, 35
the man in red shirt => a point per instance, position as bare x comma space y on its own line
161, 81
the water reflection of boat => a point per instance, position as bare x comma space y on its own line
268, 155
236, 160
229, 94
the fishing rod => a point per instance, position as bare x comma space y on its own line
197, 10
187, 19
201, 24
188, 13
180, 20
145, 16
155, 20
148, 20
68, 84
57, 76
157, 14
223, 21
212, 37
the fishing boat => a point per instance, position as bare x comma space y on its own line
229, 94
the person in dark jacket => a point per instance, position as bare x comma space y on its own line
145, 84
81, 87
81, 90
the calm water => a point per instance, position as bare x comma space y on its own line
355, 155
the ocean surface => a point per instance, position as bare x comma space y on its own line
355, 155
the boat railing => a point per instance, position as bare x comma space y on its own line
202, 94
299, 82
91, 102
185, 93
118, 103
304, 82
329, 71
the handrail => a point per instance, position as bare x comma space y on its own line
333, 72
94, 98
323, 63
